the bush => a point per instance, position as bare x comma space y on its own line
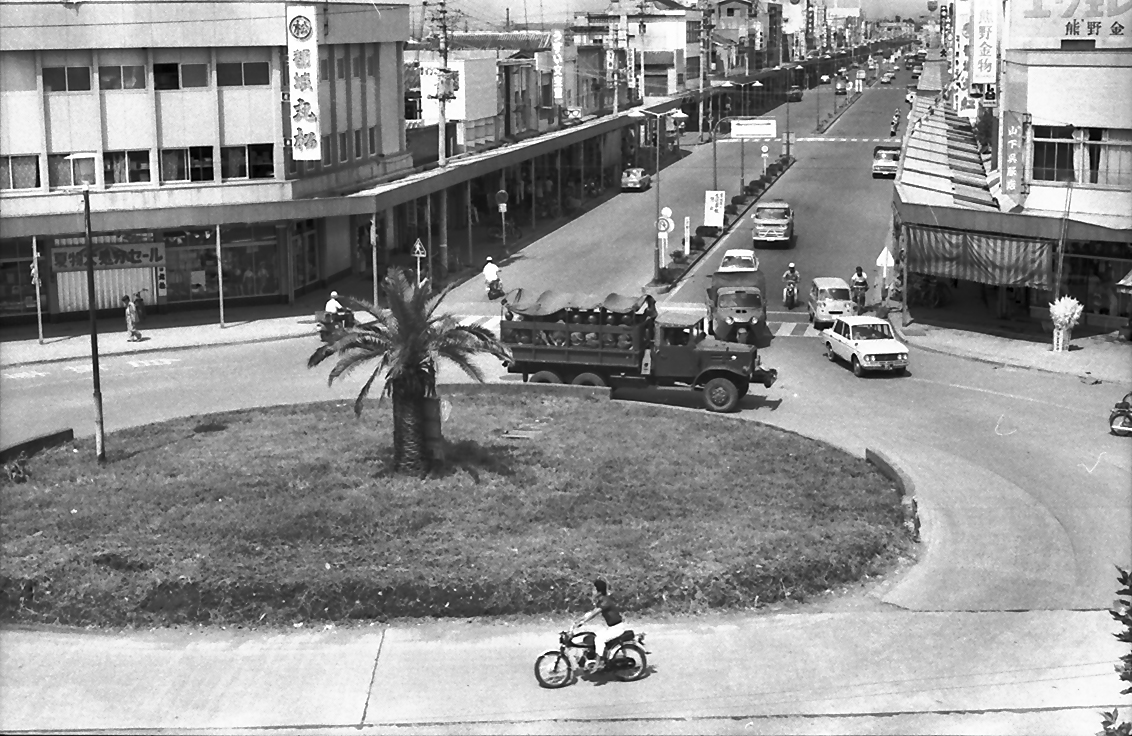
698, 242
708, 231
672, 274
678, 255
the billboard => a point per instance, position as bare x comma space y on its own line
984, 42
1044, 24
754, 128
793, 17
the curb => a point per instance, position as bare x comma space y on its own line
907, 488
914, 341
156, 349
35, 444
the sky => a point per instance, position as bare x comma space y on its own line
485, 13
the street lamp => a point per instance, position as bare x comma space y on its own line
679, 117
99, 435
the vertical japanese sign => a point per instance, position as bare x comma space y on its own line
984, 45
1011, 151
302, 61
713, 207
558, 56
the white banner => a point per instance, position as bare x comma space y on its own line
302, 57
754, 128
984, 45
557, 44
713, 207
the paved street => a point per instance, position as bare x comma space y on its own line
999, 627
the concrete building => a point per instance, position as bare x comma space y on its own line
209, 135
1034, 199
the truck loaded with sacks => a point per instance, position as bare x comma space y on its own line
624, 342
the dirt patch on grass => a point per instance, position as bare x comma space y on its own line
290, 514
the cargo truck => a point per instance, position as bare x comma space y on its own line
624, 342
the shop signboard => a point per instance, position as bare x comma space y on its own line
1044, 24
108, 255
558, 55
754, 128
302, 56
713, 207
984, 45
1013, 160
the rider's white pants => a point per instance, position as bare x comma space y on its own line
604, 634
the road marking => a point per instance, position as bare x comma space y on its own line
998, 393
784, 330
152, 362
25, 374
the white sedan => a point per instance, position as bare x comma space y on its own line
866, 343
739, 259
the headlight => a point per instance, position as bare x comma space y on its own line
730, 320
903, 356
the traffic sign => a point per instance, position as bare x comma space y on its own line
884, 260
502, 206
501, 197
418, 250
765, 149
665, 225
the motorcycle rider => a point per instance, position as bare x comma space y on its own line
790, 276
895, 122
490, 273
858, 283
336, 312
607, 608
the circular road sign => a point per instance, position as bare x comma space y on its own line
666, 212
665, 225
766, 149
501, 197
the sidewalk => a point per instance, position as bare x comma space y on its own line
1102, 357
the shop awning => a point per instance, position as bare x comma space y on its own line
980, 257
1125, 284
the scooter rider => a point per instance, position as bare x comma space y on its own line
490, 273
335, 310
614, 624
790, 276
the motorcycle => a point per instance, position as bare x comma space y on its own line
791, 295
1120, 418
495, 289
329, 324
858, 293
626, 658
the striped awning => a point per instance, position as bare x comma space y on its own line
980, 257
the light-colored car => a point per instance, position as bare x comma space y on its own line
886, 79
828, 299
917, 71
825, 79
866, 344
886, 160
774, 223
739, 259
635, 178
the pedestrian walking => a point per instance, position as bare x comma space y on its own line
131, 320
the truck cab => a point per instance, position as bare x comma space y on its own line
773, 223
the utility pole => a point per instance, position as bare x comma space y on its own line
705, 59
444, 89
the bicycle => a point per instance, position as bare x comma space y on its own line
514, 232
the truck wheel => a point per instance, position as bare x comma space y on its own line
588, 379
546, 377
721, 395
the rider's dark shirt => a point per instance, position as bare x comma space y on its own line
609, 610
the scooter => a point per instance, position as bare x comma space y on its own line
791, 297
495, 289
329, 324
1120, 418
858, 293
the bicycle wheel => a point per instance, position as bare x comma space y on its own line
553, 670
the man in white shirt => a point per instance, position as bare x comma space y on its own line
490, 272
333, 307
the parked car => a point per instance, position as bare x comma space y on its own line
866, 344
825, 79
739, 259
794, 94
886, 79
841, 87
828, 299
635, 178
917, 71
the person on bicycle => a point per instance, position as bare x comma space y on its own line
859, 285
611, 616
790, 276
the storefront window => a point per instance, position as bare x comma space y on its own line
1092, 281
17, 292
305, 249
250, 256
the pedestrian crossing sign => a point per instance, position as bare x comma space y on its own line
418, 249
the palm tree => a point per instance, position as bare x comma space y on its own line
407, 340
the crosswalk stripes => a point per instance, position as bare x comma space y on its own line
780, 329
823, 139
